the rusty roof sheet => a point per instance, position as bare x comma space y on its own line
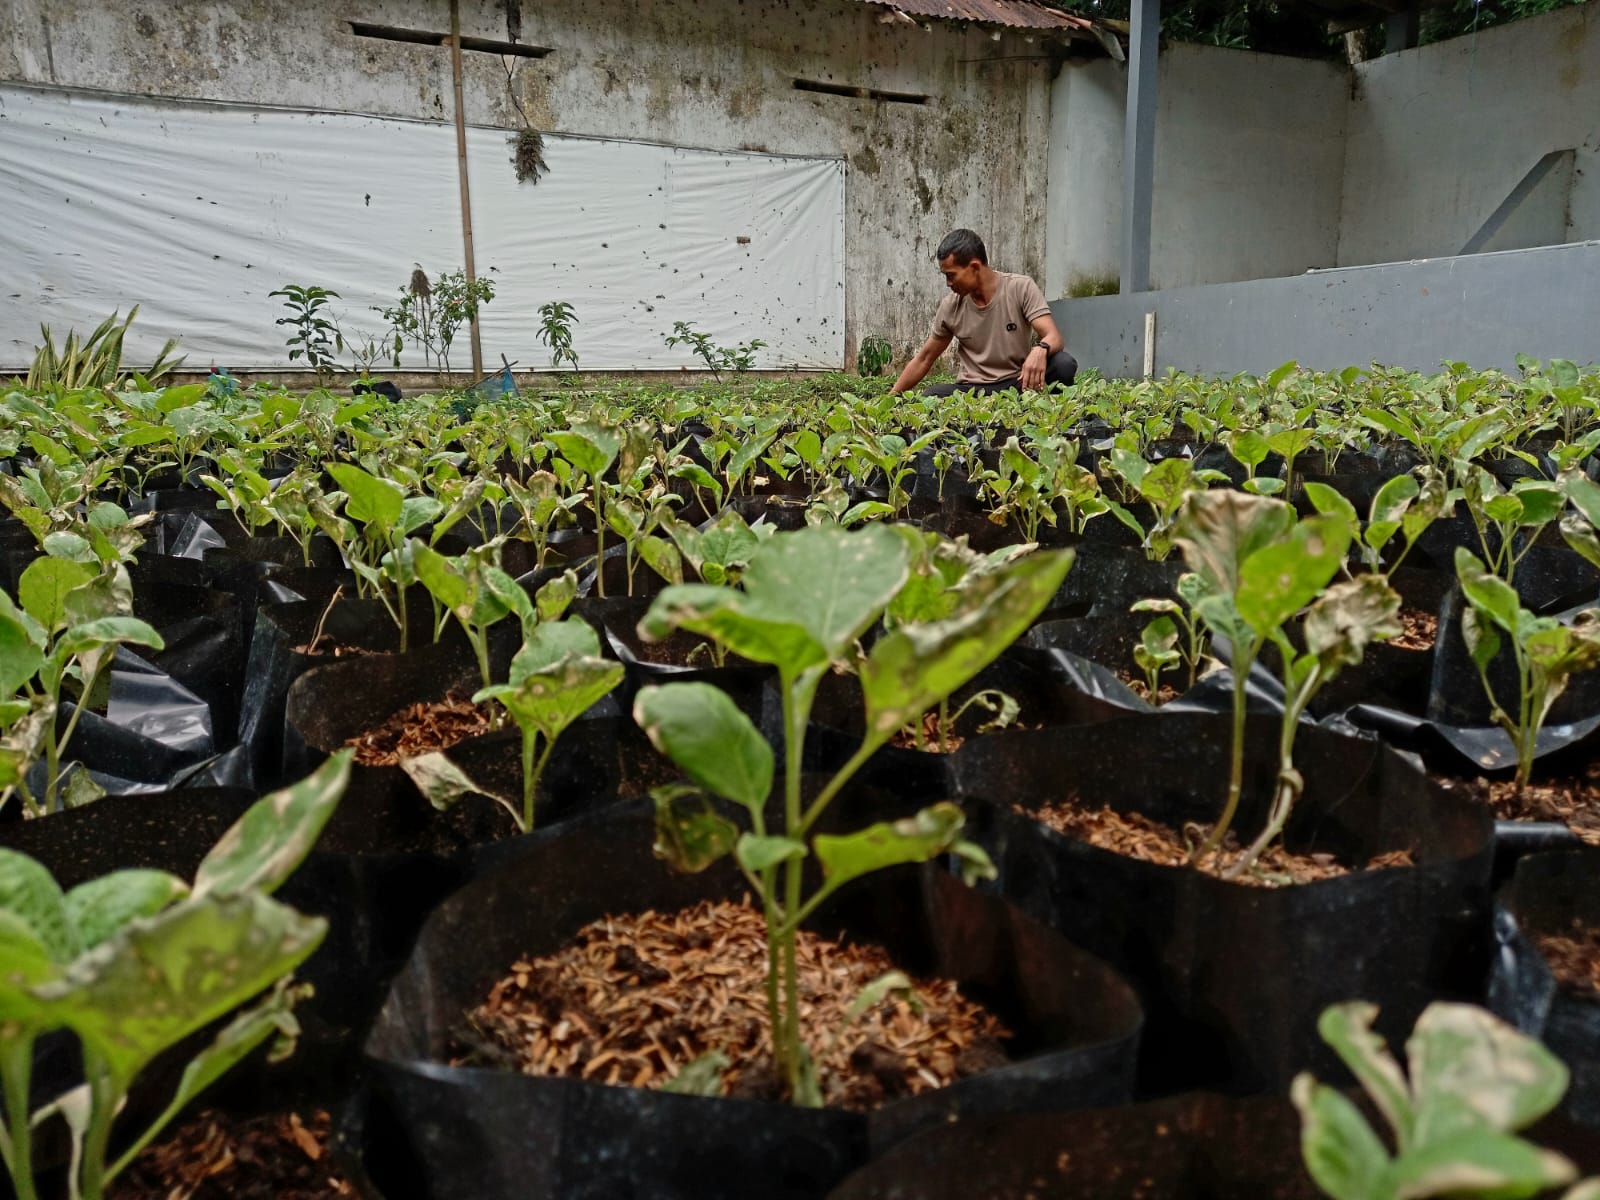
1019, 14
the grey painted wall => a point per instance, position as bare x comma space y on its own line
1249, 159
1483, 309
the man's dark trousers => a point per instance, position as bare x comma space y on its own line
1062, 368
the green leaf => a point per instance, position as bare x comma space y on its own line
69, 546
700, 729
440, 780
1481, 1163
589, 446
1349, 615
1389, 509
930, 833
371, 501
757, 854
266, 844
1278, 580
662, 557
555, 596
43, 587
701, 1077
1542, 502
1341, 1152
108, 631
162, 978
234, 1042
1348, 1029
549, 643
554, 697
914, 667
1488, 593
28, 893
101, 907
415, 512
1217, 531
690, 833
1248, 446
443, 578
1473, 1073
20, 657
1331, 503
875, 993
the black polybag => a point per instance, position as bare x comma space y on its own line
488, 1134
1553, 893
1234, 977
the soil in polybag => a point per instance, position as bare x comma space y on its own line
489, 1133
281, 651
1234, 977
1553, 895
332, 704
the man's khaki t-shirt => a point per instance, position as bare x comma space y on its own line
992, 341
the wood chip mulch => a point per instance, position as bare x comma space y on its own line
1574, 957
1419, 629
420, 728
932, 741
632, 999
327, 648
1137, 836
1141, 689
1575, 802
279, 1156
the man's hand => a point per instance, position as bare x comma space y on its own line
1032, 373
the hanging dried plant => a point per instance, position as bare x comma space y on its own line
420, 287
527, 156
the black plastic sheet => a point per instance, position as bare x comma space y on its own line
487, 1134
1191, 1147
1233, 977
1550, 894
277, 658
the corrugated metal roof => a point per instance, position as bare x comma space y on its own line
1019, 14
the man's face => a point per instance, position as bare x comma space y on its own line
961, 279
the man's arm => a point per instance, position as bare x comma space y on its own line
922, 362
1032, 374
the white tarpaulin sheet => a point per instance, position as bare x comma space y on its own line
197, 211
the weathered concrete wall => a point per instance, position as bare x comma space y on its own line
1440, 135
1249, 157
1484, 309
709, 73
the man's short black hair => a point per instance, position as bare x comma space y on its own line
964, 246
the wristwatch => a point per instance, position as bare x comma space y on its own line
1045, 346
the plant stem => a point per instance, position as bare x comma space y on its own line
1241, 671
532, 769
102, 1108
787, 1048
16, 1069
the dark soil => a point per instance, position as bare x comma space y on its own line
420, 728
1150, 841
634, 999
279, 1156
1419, 629
1141, 689
1574, 957
1573, 801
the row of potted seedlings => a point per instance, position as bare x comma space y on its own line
564, 804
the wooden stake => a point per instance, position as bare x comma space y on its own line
461, 172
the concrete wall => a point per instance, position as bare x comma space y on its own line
1484, 309
1439, 135
1249, 158
706, 73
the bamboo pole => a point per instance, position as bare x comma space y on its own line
461, 172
